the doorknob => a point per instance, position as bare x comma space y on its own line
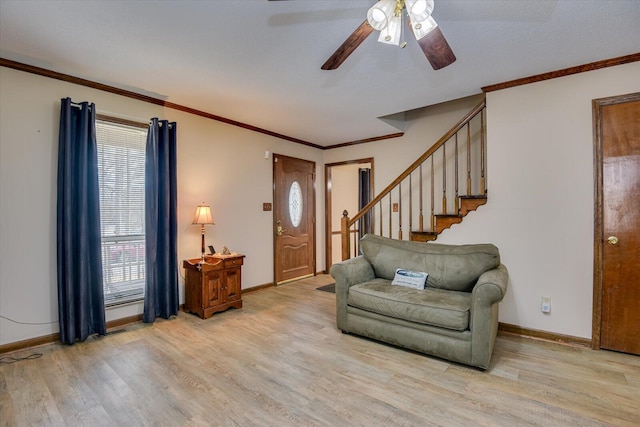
612, 240
279, 229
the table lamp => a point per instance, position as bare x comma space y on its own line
203, 217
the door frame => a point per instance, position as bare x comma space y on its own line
327, 202
598, 227
312, 212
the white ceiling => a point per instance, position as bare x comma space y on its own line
258, 61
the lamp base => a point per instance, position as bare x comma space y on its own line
202, 246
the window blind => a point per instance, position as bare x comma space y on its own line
121, 156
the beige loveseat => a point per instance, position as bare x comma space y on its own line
455, 317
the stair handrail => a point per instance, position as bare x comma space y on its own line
455, 129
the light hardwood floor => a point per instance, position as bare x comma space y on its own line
280, 361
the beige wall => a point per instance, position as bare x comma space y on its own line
220, 164
540, 182
541, 195
540, 186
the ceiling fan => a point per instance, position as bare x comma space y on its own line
386, 16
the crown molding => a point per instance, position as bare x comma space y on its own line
612, 62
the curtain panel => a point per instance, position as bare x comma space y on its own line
161, 291
79, 260
364, 197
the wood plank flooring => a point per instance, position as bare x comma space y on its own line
280, 361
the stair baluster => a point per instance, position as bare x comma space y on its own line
444, 178
483, 142
468, 160
456, 200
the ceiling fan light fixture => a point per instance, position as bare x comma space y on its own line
421, 29
380, 14
390, 13
392, 33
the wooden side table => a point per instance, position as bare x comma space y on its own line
213, 285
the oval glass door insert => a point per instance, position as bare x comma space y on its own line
295, 203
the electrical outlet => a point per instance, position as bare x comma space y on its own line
545, 306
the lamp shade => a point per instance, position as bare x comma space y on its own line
203, 215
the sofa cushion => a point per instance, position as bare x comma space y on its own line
453, 267
435, 307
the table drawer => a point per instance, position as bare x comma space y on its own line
233, 262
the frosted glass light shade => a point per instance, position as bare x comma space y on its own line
392, 33
381, 13
418, 10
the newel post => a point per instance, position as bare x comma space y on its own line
344, 233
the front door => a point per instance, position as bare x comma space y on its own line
294, 218
619, 131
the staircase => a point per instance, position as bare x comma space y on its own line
429, 188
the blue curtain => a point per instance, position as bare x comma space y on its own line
161, 230
79, 260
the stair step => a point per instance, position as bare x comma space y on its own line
471, 203
445, 221
423, 236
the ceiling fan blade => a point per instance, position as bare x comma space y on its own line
436, 49
349, 45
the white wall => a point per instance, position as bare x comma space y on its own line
540, 183
220, 164
540, 187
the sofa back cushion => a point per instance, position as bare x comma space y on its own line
452, 267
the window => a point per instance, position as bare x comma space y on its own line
295, 204
121, 156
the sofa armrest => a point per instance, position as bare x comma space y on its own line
491, 286
346, 274
487, 293
352, 271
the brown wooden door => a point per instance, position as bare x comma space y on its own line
294, 211
620, 135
